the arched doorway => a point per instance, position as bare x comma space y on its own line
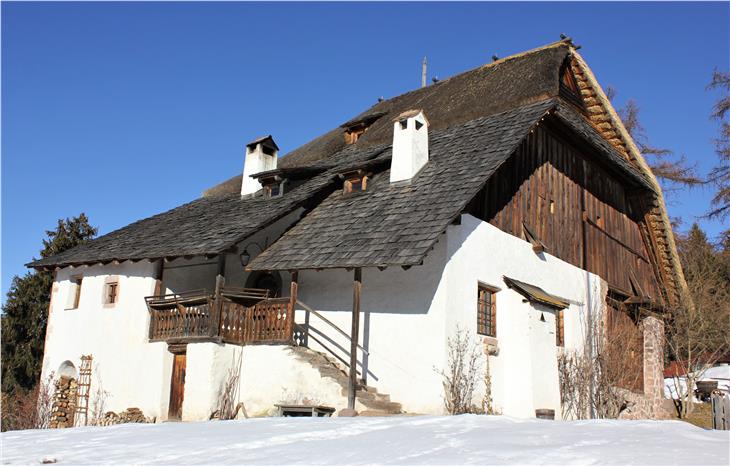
267, 281
67, 369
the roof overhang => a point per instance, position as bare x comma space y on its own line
535, 294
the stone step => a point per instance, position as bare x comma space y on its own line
388, 406
376, 404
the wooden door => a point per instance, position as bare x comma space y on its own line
177, 386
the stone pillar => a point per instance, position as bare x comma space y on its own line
653, 330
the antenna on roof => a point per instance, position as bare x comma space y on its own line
424, 66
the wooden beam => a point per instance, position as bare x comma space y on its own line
158, 277
220, 281
354, 337
293, 291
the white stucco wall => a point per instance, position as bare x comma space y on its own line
407, 317
524, 373
401, 325
133, 372
269, 375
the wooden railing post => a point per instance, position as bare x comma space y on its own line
290, 311
354, 337
216, 311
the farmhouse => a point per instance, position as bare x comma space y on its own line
507, 203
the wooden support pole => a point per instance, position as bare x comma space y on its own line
294, 289
158, 291
159, 266
354, 337
220, 281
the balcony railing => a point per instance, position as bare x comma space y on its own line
239, 316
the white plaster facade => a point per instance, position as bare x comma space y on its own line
407, 317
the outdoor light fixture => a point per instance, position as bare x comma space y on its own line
245, 256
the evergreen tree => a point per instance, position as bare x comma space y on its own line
25, 313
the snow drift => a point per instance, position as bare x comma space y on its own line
467, 439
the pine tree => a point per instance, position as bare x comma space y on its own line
25, 313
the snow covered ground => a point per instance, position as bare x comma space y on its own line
396, 440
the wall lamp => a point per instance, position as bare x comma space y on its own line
245, 256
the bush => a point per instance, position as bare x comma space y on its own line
28, 409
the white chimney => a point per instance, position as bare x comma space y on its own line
410, 145
261, 156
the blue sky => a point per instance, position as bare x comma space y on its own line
126, 110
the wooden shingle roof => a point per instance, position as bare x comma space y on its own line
393, 224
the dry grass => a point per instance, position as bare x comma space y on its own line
701, 416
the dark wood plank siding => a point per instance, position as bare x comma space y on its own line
576, 207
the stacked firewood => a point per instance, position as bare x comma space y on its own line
64, 403
130, 415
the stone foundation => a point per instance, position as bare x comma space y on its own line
64, 403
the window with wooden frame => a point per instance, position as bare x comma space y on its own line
487, 311
354, 133
111, 291
274, 190
356, 184
75, 293
559, 328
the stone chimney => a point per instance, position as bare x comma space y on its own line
261, 156
410, 145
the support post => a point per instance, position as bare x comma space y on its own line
158, 291
354, 337
159, 266
220, 281
292, 304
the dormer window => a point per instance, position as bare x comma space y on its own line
273, 186
274, 190
355, 181
356, 184
354, 129
353, 134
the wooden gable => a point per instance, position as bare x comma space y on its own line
576, 207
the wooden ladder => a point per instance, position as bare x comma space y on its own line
82, 391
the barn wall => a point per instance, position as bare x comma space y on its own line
578, 209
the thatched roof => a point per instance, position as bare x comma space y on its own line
492, 88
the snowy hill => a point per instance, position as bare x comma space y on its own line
394, 440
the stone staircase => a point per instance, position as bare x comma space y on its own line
368, 401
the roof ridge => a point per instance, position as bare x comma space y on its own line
525, 53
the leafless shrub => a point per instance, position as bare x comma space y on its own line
227, 408
98, 405
28, 409
487, 400
698, 330
463, 366
595, 379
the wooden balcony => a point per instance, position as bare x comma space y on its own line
238, 315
